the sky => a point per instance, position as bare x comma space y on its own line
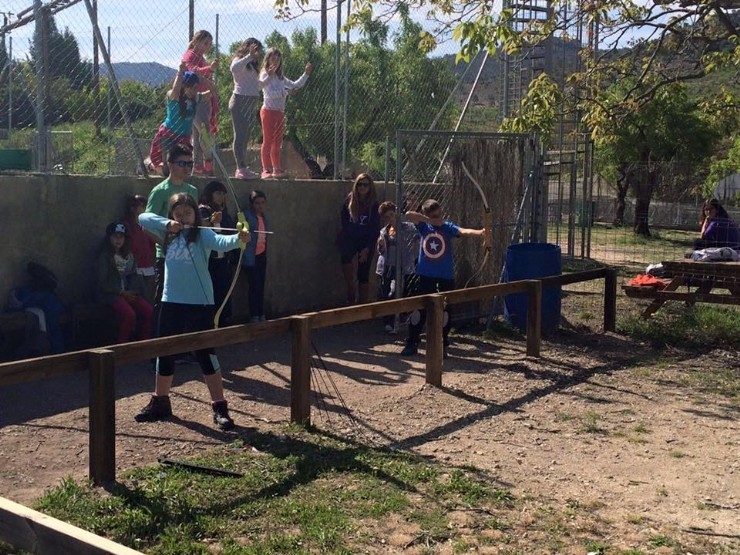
145, 31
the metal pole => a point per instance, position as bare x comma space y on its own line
39, 53
96, 76
399, 209
386, 173
462, 115
345, 108
324, 34
215, 73
110, 126
117, 91
337, 61
191, 19
10, 86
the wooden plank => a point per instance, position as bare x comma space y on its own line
41, 368
575, 277
610, 300
534, 317
102, 440
300, 371
484, 292
58, 365
35, 532
435, 305
369, 311
144, 350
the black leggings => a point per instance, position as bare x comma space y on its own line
176, 318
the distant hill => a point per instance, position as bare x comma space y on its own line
149, 73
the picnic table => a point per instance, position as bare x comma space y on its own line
700, 280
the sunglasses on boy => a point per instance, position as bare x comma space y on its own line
183, 163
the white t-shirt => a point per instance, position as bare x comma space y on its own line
275, 89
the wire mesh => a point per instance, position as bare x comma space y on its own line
55, 78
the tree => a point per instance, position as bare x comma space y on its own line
653, 46
668, 129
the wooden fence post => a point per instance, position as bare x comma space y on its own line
534, 317
610, 300
102, 448
300, 371
435, 305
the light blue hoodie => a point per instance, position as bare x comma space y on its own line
186, 277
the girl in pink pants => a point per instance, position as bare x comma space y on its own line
121, 287
275, 88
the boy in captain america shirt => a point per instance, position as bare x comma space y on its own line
435, 271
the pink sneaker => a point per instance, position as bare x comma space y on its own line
266, 175
199, 170
279, 174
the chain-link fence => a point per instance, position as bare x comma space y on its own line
56, 80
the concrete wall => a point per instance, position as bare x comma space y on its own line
59, 220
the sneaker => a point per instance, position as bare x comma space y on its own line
389, 329
159, 408
199, 170
266, 175
410, 349
279, 174
246, 173
221, 415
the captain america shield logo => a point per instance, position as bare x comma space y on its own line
434, 246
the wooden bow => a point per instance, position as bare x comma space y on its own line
487, 224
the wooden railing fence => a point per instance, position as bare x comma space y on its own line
101, 363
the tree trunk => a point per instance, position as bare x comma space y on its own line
643, 187
620, 203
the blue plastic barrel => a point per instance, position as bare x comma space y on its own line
532, 261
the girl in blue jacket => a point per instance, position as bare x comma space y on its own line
187, 299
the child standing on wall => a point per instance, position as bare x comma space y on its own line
204, 124
244, 101
275, 88
435, 270
187, 301
120, 286
182, 102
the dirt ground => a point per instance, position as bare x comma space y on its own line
600, 421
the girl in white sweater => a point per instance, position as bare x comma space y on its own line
275, 88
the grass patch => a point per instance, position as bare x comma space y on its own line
676, 325
590, 423
306, 493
